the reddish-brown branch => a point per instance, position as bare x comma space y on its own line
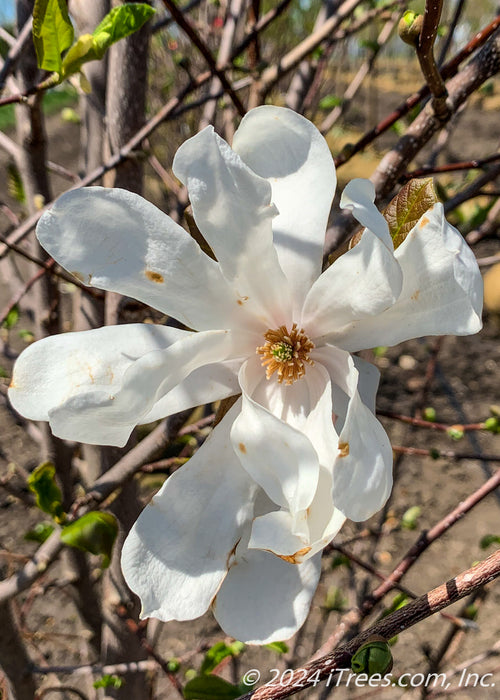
443, 454
420, 423
423, 607
451, 167
193, 35
449, 70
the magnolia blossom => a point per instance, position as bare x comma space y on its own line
241, 526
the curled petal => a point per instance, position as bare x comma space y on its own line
359, 197
442, 289
288, 150
265, 599
233, 210
362, 471
177, 554
364, 281
279, 457
277, 533
116, 240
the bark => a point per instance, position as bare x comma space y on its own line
15, 660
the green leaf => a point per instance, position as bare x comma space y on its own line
118, 24
410, 518
52, 32
489, 539
408, 207
429, 413
121, 22
217, 653
48, 494
330, 101
11, 319
94, 532
210, 688
335, 600
40, 533
280, 647
108, 681
15, 184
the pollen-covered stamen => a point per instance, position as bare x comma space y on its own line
286, 353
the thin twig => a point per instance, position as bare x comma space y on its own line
423, 607
425, 54
193, 35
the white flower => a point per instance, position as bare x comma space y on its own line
244, 521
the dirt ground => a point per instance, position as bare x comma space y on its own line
466, 384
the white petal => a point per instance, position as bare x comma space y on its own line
289, 151
115, 240
364, 281
279, 457
442, 289
232, 208
275, 532
104, 417
54, 369
359, 197
369, 378
176, 555
208, 383
325, 519
362, 472
265, 599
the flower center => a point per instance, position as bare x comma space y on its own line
286, 353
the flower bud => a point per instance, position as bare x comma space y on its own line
409, 27
374, 656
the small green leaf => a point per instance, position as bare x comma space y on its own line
11, 319
399, 601
94, 532
121, 22
173, 665
455, 432
279, 647
217, 653
210, 688
330, 101
410, 518
429, 413
48, 494
487, 540
68, 114
335, 599
40, 533
408, 207
118, 24
52, 32
15, 184
492, 424
26, 335
108, 681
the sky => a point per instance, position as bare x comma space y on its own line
7, 10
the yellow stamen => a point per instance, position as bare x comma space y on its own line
286, 353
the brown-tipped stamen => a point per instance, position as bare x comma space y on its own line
286, 353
